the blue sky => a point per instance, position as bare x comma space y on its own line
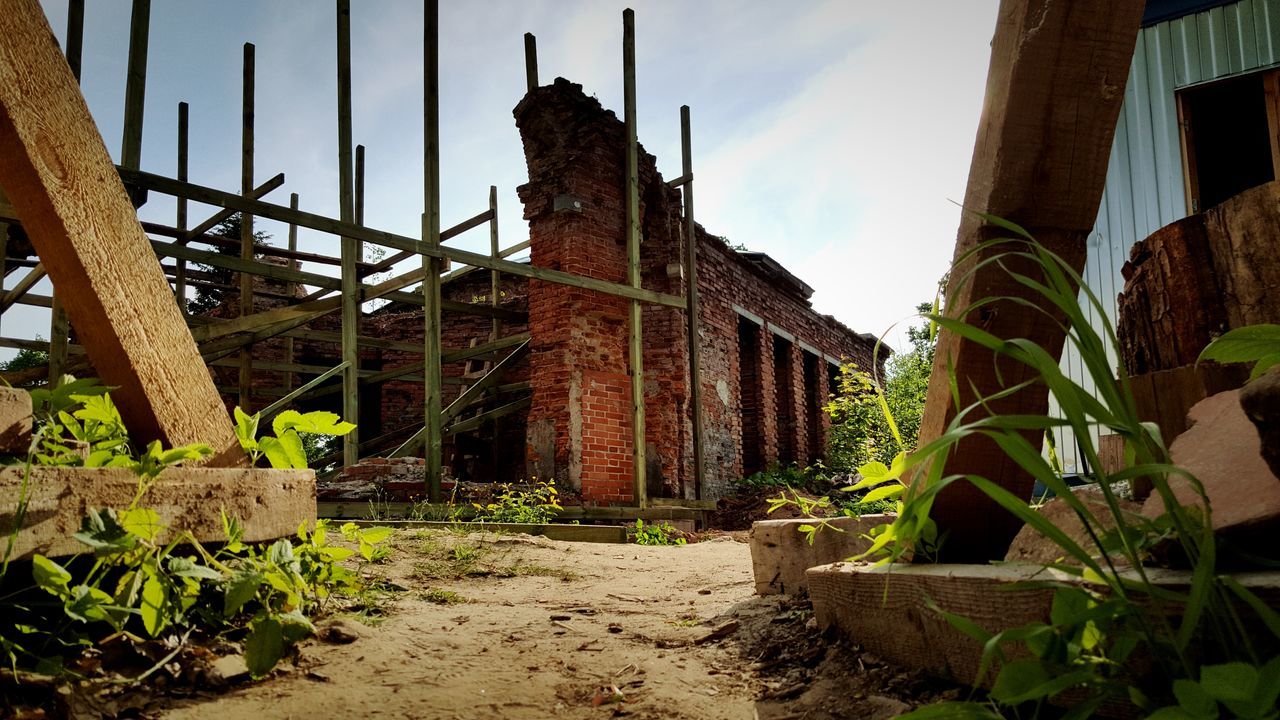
832, 134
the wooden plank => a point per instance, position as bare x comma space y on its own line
280, 213
59, 325
199, 231
267, 503
135, 88
530, 62
691, 296
445, 235
451, 356
60, 179
508, 252
490, 379
180, 221
635, 331
291, 289
495, 276
20, 288
475, 423
283, 402
551, 531
1054, 92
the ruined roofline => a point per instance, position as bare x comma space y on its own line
589, 113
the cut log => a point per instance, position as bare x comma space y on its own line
60, 179
1170, 308
1054, 91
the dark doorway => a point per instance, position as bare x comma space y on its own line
749, 396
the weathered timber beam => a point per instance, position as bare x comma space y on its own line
213, 220
490, 379
281, 213
475, 423
59, 177
466, 270
26, 283
449, 234
1054, 91
466, 353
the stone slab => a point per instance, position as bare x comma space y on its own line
1032, 547
268, 503
1222, 450
1260, 401
885, 611
780, 554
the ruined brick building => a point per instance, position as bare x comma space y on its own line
768, 359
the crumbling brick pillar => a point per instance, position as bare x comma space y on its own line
579, 423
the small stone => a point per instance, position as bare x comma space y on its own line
227, 669
338, 632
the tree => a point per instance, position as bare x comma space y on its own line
860, 431
208, 298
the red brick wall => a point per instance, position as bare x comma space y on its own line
574, 204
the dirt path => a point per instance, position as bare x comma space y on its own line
544, 629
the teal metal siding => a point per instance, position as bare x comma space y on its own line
1144, 190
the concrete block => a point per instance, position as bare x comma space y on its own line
780, 554
1223, 451
268, 503
15, 421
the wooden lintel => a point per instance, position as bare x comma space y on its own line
59, 177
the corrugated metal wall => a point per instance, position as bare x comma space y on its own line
1144, 190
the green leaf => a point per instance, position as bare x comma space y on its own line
143, 522
882, 493
1245, 344
101, 531
1194, 700
185, 567
264, 647
242, 588
155, 599
293, 449
1229, 682
88, 604
276, 453
1020, 681
375, 535
50, 576
295, 626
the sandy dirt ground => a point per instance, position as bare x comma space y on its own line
490, 626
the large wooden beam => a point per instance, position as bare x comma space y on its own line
1054, 91
58, 175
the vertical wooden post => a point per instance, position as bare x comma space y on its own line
432, 266
359, 199
290, 290
636, 338
135, 88
59, 325
691, 296
350, 282
531, 61
1054, 91
180, 277
246, 221
495, 276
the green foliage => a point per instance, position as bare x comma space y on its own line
812, 479
535, 505
1257, 344
287, 448
874, 423
208, 298
1103, 619
26, 359
140, 583
651, 534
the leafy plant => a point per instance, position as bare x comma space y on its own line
1106, 619
536, 504
1257, 344
655, 534
286, 449
812, 479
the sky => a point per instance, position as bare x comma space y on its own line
834, 135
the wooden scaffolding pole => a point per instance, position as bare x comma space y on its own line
350, 245
61, 181
530, 61
246, 220
636, 337
431, 265
135, 88
291, 288
691, 296
180, 221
